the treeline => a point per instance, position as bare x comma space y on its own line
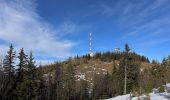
142, 75
21, 79
111, 56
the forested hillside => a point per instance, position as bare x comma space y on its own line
80, 78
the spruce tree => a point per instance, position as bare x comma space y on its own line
131, 66
27, 88
158, 73
41, 92
31, 76
127, 49
58, 82
116, 86
22, 64
70, 81
9, 62
9, 70
20, 76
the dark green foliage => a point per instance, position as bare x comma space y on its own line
158, 74
117, 84
41, 88
131, 65
22, 64
82, 93
98, 87
111, 56
9, 62
27, 80
58, 82
127, 49
70, 82
8, 74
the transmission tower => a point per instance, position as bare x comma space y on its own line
90, 51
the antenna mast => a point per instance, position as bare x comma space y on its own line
90, 51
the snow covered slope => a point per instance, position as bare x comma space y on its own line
159, 96
123, 97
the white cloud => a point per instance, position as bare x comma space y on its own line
155, 42
22, 26
143, 20
67, 28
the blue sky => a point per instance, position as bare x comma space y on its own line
57, 29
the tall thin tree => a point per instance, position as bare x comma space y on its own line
8, 62
9, 70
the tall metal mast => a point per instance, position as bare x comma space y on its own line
90, 51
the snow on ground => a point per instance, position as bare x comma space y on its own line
158, 96
124, 97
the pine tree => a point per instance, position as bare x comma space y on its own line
116, 86
41, 89
82, 91
9, 70
20, 76
22, 64
31, 76
127, 49
1, 63
49, 87
58, 82
158, 73
130, 66
9, 62
133, 71
107, 90
27, 88
70, 81
166, 64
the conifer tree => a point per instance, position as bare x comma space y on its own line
27, 88
129, 65
82, 93
58, 82
158, 73
22, 64
127, 49
41, 89
70, 81
116, 86
9, 70
31, 76
9, 62
20, 76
